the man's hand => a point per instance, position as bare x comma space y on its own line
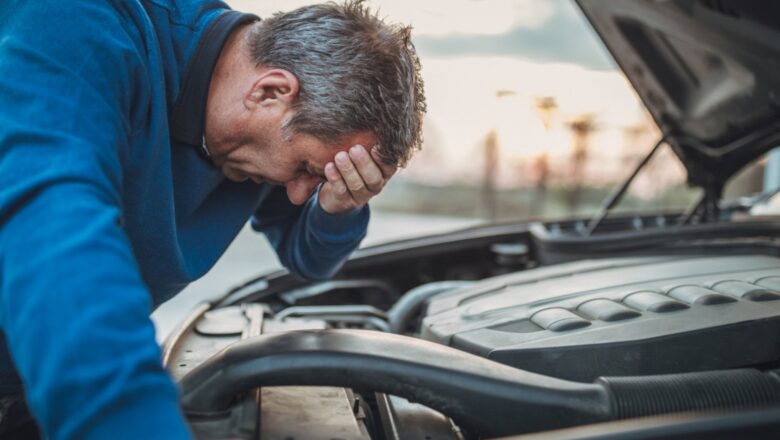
353, 178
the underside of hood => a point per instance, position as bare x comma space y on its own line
708, 72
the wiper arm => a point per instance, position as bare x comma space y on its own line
620, 191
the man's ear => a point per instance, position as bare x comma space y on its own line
272, 87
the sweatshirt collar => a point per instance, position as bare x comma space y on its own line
188, 118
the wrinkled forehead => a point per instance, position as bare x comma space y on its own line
364, 138
317, 153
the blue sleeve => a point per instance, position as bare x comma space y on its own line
309, 242
73, 306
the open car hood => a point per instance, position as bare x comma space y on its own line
707, 70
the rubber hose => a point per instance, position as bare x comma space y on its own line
670, 393
409, 304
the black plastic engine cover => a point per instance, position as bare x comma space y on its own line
615, 317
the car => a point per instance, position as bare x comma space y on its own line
619, 326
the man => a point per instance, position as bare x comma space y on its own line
136, 138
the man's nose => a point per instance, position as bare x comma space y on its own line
299, 190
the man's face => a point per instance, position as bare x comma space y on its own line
297, 163
246, 109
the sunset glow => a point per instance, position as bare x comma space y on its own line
473, 89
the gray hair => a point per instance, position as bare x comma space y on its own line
355, 71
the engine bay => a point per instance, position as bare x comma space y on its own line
620, 326
312, 362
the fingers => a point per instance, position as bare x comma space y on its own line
387, 170
353, 178
334, 178
369, 171
361, 174
349, 173
334, 195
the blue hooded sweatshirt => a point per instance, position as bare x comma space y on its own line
108, 207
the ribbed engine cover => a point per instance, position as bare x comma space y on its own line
626, 316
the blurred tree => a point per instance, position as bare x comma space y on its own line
581, 127
489, 176
489, 205
546, 108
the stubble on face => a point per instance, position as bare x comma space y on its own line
227, 128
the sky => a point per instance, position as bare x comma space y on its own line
471, 50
